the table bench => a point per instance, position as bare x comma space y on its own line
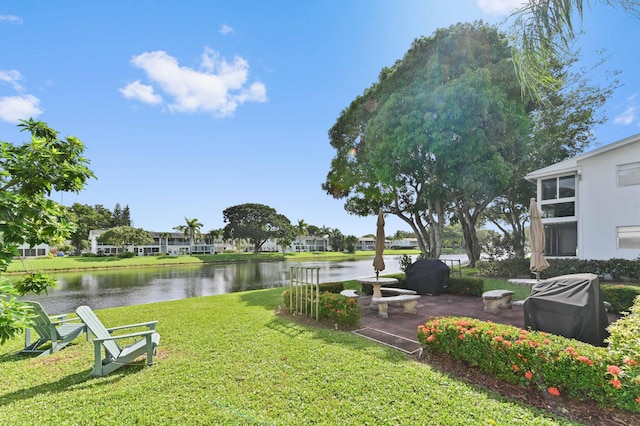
409, 302
397, 291
349, 293
495, 300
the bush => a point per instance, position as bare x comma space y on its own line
126, 255
554, 364
344, 310
623, 339
620, 296
331, 287
334, 307
618, 269
465, 286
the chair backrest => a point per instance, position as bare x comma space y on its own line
40, 322
98, 329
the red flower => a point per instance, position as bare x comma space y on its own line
613, 370
498, 339
461, 336
546, 341
431, 337
628, 361
584, 359
515, 367
528, 375
638, 400
553, 391
616, 383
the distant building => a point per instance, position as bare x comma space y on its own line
172, 243
591, 203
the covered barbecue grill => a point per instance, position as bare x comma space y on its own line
569, 306
428, 276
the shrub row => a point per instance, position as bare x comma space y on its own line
464, 286
620, 296
333, 307
554, 364
618, 269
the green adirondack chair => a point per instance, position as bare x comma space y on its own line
57, 330
116, 356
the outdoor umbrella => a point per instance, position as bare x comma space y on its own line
536, 240
378, 261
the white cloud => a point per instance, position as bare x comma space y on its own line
12, 77
14, 108
499, 7
628, 116
225, 29
11, 18
219, 87
141, 92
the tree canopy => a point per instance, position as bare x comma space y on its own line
29, 173
256, 223
437, 133
123, 236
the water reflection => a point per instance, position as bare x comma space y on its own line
105, 289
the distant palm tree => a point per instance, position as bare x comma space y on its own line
190, 230
164, 248
302, 227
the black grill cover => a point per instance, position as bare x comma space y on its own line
427, 276
569, 306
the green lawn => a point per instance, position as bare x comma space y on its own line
229, 359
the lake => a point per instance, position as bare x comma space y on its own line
112, 288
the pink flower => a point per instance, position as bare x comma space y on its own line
498, 339
431, 337
614, 370
461, 336
546, 341
528, 375
515, 367
553, 391
616, 383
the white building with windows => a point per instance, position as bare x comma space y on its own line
172, 243
591, 203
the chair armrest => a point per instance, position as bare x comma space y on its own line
149, 324
124, 336
66, 320
59, 317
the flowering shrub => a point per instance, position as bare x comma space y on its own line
554, 364
344, 310
335, 307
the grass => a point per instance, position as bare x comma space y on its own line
229, 359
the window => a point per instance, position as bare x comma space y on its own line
560, 187
558, 210
629, 174
561, 239
549, 189
628, 237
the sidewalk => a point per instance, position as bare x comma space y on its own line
400, 329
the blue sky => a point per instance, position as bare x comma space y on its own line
189, 107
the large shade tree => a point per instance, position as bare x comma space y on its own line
256, 223
436, 136
29, 173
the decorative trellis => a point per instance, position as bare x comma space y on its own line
304, 291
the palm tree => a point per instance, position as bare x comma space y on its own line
164, 248
302, 231
190, 230
544, 29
